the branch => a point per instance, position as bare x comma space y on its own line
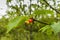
41, 22
51, 6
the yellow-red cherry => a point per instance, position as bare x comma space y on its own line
27, 22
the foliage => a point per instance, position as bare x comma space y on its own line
16, 22
56, 26
15, 28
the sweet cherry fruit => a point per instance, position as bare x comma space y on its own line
29, 21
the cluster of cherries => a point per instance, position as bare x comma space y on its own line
29, 21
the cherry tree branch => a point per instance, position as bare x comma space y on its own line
41, 22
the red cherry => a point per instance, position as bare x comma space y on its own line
30, 20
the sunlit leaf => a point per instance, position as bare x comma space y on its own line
56, 27
44, 28
15, 22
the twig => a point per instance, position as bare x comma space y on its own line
41, 22
51, 6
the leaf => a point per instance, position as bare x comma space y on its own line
43, 12
34, 5
56, 27
9, 1
44, 28
49, 31
15, 22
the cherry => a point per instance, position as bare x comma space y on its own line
30, 20
27, 22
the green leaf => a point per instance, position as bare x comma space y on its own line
43, 12
56, 27
9, 1
44, 28
34, 5
15, 22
